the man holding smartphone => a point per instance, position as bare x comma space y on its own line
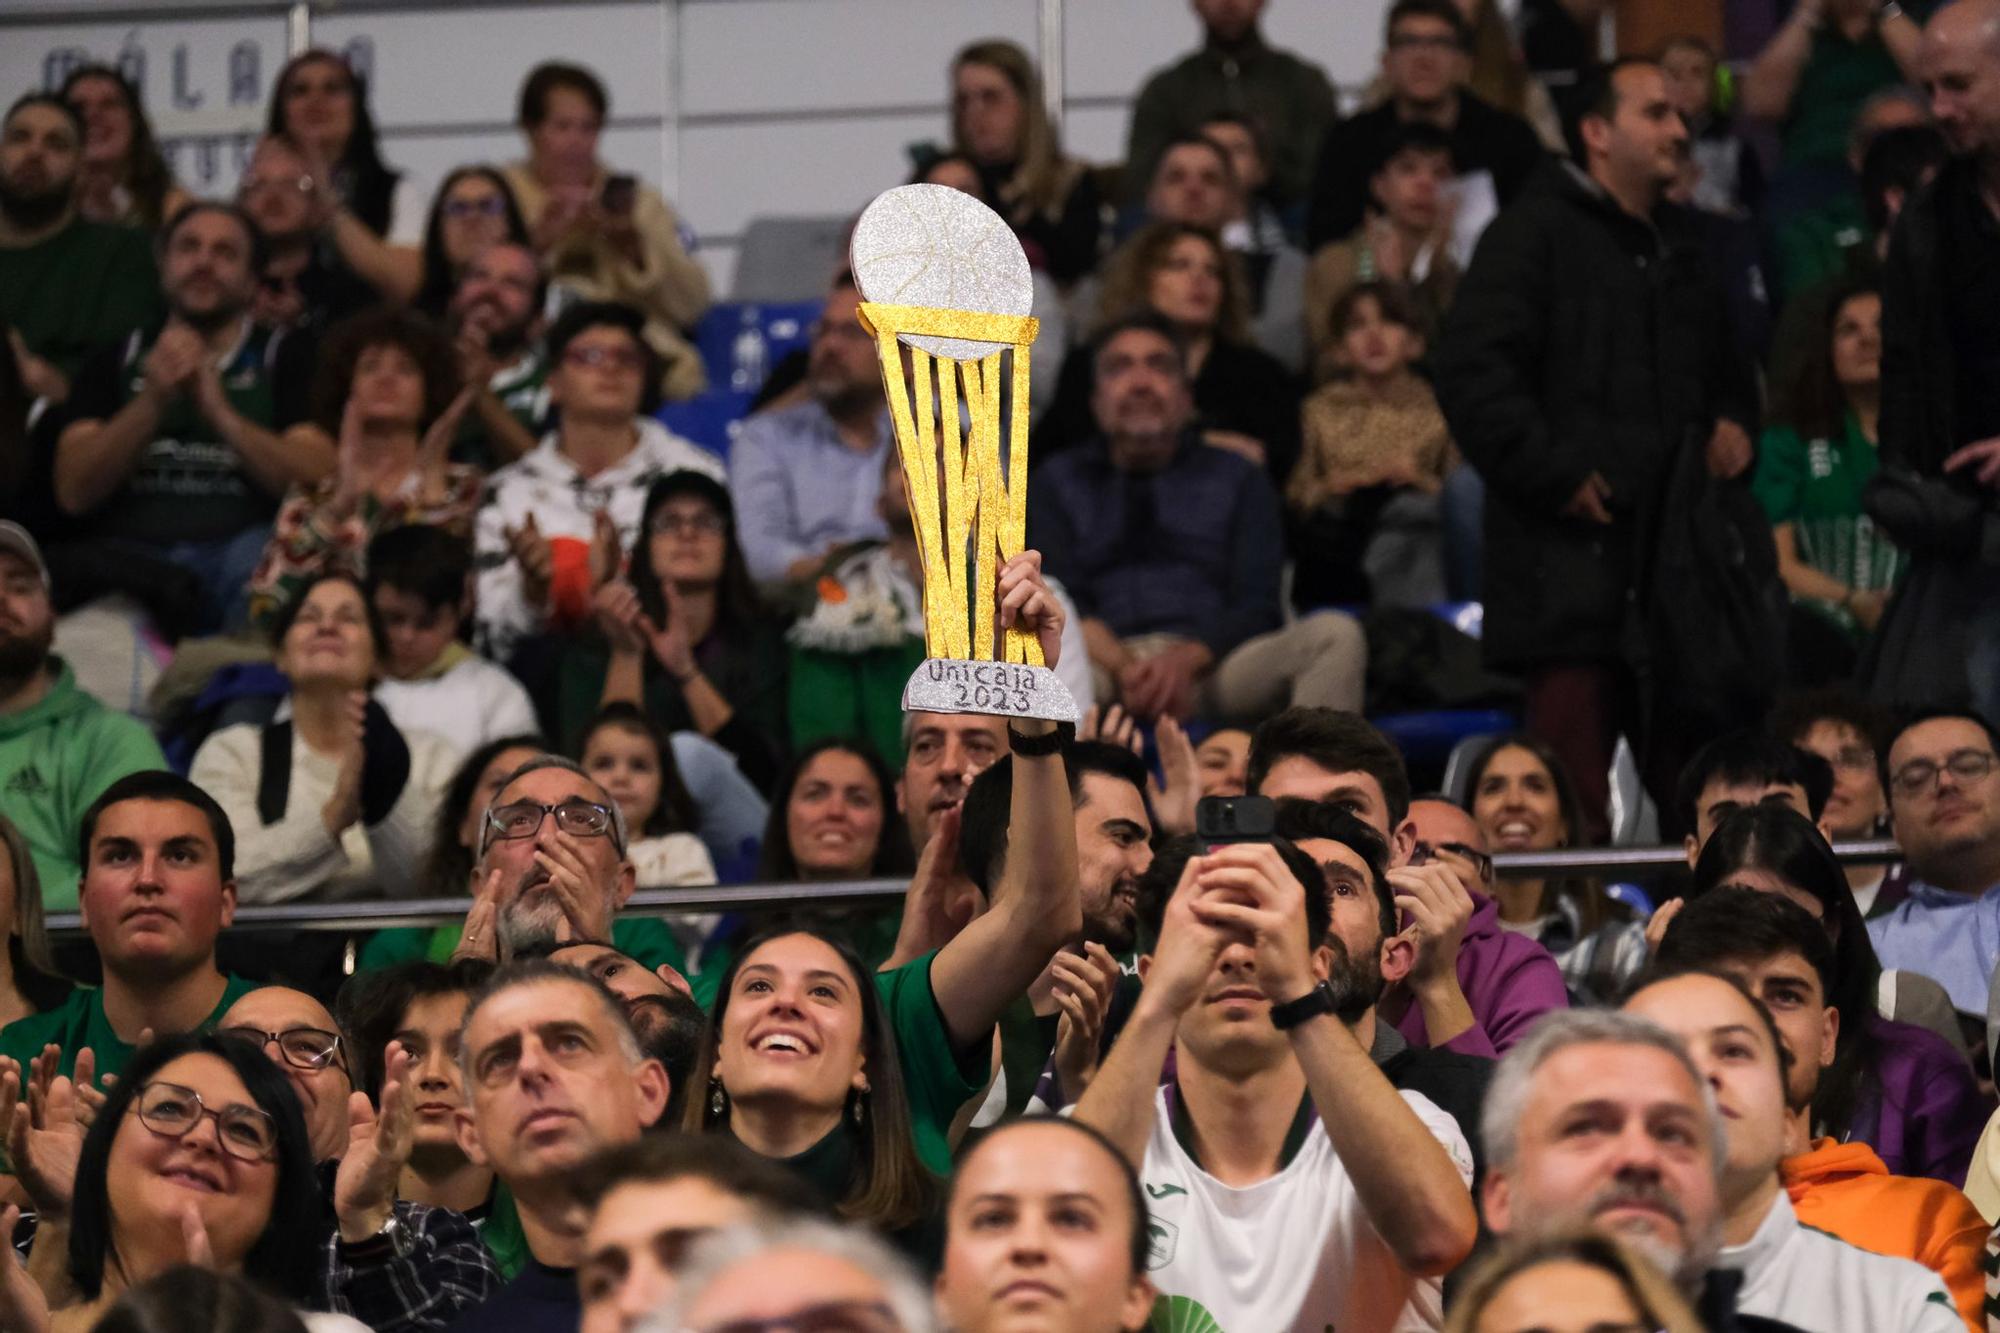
1344, 1199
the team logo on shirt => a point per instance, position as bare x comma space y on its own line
1161, 1240
28, 782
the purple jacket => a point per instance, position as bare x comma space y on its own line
1509, 981
1929, 1114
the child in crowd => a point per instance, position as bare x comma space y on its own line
626, 755
420, 583
1363, 498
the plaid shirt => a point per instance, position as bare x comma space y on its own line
446, 1273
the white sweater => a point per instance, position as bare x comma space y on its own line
469, 705
296, 858
565, 504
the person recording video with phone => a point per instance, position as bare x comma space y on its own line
603, 235
1262, 988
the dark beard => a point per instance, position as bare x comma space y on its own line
1115, 925
32, 212
206, 322
1356, 983
23, 656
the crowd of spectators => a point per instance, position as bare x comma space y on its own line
347, 557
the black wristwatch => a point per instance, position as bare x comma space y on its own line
1038, 747
1319, 1000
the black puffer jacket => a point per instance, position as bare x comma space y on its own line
1582, 340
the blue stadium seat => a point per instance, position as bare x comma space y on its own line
710, 419
1430, 737
784, 327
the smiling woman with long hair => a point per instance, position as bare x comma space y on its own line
321, 104
847, 1077
123, 177
1524, 800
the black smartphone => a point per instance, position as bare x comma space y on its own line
1219, 820
619, 194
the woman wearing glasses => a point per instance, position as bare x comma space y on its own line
684, 635
198, 1154
330, 800
1523, 800
558, 521
386, 403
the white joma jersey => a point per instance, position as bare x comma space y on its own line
1294, 1252
1821, 1284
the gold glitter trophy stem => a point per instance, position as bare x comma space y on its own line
970, 513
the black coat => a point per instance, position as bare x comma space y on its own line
1582, 340
1947, 524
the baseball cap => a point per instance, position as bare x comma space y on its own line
15, 538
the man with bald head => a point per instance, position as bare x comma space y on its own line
392, 1264
302, 1039
1940, 422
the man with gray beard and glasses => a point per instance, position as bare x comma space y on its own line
552, 862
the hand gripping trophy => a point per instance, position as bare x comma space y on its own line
944, 280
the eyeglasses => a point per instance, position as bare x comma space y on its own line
492, 206
1921, 775
1481, 861
302, 1048
705, 523
826, 1317
172, 1111
607, 358
278, 184
523, 819
1853, 757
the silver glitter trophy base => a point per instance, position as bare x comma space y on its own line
1002, 689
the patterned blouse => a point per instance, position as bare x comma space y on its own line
311, 538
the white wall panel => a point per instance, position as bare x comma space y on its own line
757, 56
735, 108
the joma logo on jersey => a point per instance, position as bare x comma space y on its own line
1161, 1238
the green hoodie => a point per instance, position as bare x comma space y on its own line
55, 759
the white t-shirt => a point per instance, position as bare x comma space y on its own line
1294, 1252
1815, 1281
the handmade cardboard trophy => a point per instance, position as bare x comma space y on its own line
942, 276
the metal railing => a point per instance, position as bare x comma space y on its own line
375, 915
